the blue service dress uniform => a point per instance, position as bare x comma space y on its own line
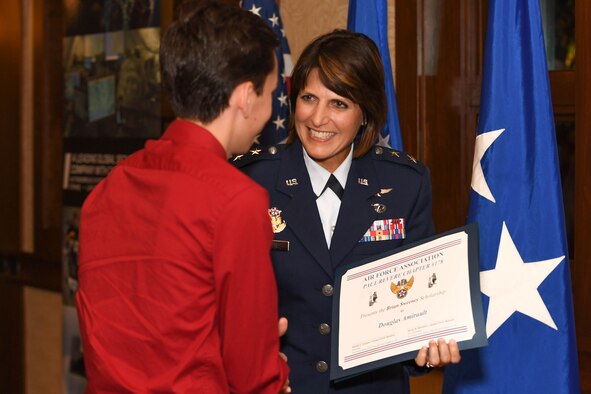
383, 184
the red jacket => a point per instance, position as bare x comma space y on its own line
176, 288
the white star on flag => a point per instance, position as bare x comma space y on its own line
274, 20
255, 10
282, 99
279, 123
276, 128
512, 286
483, 142
384, 140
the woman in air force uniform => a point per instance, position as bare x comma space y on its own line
336, 199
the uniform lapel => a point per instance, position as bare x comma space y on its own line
301, 213
356, 213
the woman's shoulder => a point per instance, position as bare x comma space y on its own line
386, 156
258, 153
259, 156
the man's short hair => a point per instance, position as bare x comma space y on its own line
209, 50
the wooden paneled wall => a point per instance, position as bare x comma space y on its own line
43, 341
582, 267
11, 299
438, 64
10, 72
303, 20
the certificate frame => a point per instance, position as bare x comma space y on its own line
470, 234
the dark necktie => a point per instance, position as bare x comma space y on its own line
335, 186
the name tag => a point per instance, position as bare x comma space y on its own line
280, 246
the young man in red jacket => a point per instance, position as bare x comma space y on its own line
176, 289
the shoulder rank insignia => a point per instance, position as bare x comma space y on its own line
256, 153
395, 156
402, 287
276, 220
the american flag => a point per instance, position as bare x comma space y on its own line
275, 131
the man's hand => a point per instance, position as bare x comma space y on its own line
282, 329
438, 354
286, 389
282, 325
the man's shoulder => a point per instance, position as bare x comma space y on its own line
200, 173
229, 181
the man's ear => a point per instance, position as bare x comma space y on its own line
241, 98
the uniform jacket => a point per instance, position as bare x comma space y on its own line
177, 293
383, 184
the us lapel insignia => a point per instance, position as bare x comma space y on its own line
362, 181
402, 287
277, 221
291, 182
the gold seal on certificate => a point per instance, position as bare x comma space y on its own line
386, 309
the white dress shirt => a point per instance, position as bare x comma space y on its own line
328, 203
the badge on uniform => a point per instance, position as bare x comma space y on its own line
276, 220
385, 230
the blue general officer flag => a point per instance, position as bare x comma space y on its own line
516, 199
275, 130
370, 17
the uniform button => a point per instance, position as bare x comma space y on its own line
321, 366
379, 150
327, 290
272, 150
324, 329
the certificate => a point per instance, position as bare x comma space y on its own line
387, 308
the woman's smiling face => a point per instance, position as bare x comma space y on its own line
326, 123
